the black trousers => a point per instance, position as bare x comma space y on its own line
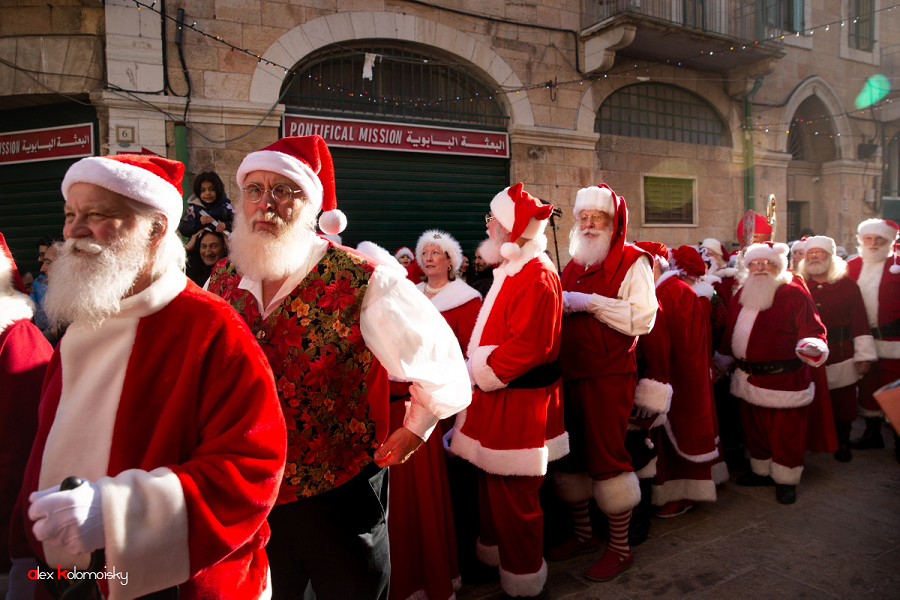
338, 540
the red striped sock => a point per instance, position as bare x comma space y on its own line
618, 532
582, 519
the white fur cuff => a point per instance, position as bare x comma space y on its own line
653, 395
617, 494
698, 490
528, 584
818, 345
786, 475
841, 374
489, 555
482, 373
886, 349
761, 467
864, 348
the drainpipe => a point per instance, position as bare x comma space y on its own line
181, 155
749, 182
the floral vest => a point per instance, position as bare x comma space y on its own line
321, 366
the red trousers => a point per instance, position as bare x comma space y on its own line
843, 403
512, 519
778, 434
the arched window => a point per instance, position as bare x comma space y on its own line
659, 111
405, 84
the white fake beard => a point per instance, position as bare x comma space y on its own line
873, 256
759, 291
90, 287
265, 256
816, 268
590, 246
490, 248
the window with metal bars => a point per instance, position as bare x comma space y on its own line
861, 34
668, 201
405, 85
660, 111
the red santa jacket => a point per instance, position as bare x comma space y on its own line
458, 303
170, 407
773, 334
508, 431
841, 308
881, 293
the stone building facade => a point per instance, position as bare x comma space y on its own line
693, 111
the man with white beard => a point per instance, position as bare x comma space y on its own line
850, 343
514, 426
155, 397
776, 336
333, 324
609, 301
879, 281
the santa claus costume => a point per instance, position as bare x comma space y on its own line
775, 348
687, 442
514, 426
718, 268
840, 305
879, 283
172, 411
600, 374
24, 354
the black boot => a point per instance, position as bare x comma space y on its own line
843, 435
785, 494
871, 437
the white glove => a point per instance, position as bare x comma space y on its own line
642, 412
72, 519
446, 440
808, 350
469, 369
577, 301
567, 309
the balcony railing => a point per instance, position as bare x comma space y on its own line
750, 20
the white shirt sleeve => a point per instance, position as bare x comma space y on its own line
413, 342
633, 310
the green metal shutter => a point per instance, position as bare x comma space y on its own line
390, 198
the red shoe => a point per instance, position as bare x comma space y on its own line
674, 509
573, 547
609, 566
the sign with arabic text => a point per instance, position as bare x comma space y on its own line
377, 135
50, 143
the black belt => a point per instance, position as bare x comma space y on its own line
537, 377
770, 367
836, 335
886, 331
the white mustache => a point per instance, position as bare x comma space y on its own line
86, 245
267, 216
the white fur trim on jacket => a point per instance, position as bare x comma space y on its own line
572, 487
557, 447
489, 555
453, 295
864, 348
742, 388
529, 584
522, 461
485, 312
886, 349
617, 494
869, 281
529, 251
761, 467
703, 289
667, 275
786, 475
694, 458
484, 375
684, 489
648, 471
15, 307
379, 254
841, 374
653, 395
720, 473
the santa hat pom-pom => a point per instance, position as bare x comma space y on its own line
333, 221
510, 250
895, 268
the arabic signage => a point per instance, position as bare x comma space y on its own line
51, 143
377, 135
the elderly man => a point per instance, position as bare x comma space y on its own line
609, 301
333, 324
798, 253
514, 426
850, 343
775, 336
714, 252
156, 398
876, 272
484, 273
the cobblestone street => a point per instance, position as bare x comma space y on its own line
840, 540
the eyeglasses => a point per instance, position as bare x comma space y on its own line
595, 218
816, 254
488, 219
760, 263
281, 193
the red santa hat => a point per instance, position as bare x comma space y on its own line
775, 252
151, 180
9, 275
445, 242
688, 261
306, 161
520, 213
404, 251
798, 246
595, 198
658, 251
715, 246
883, 227
821, 242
